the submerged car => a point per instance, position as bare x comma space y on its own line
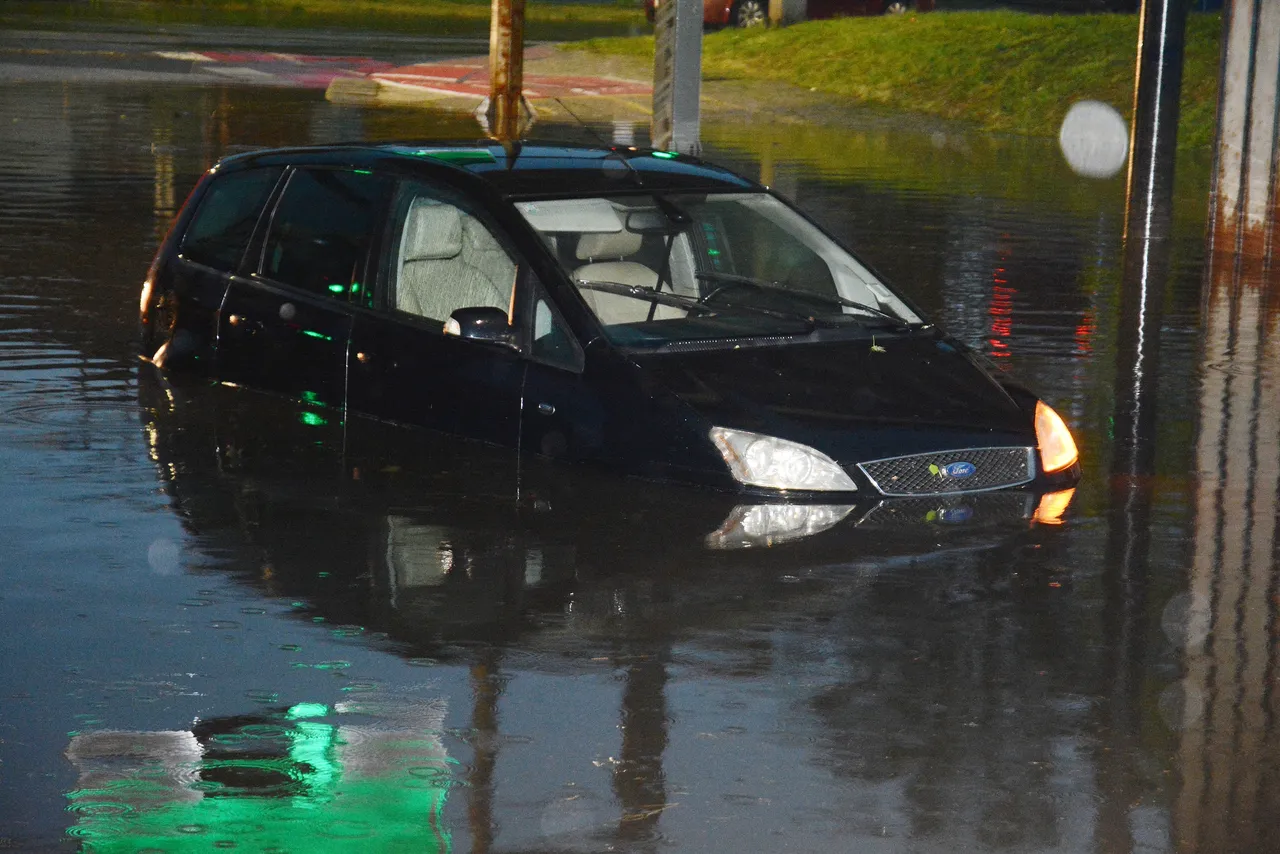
638, 310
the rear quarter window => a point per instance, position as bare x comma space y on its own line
228, 213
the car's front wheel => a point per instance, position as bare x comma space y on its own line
752, 13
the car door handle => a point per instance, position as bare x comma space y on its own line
546, 409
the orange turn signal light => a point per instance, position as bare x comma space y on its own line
1057, 448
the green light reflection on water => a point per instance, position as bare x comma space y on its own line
330, 789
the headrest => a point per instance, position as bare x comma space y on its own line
608, 244
433, 232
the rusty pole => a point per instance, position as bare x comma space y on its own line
506, 70
1246, 197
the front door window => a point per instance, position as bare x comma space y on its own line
447, 259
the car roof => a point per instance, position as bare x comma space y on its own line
526, 170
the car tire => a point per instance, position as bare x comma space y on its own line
897, 7
750, 13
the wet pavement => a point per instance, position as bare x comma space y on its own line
233, 623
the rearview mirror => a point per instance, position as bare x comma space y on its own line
482, 323
652, 222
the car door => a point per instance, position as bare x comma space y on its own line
186, 288
285, 327
442, 253
563, 419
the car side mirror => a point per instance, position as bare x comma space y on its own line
482, 323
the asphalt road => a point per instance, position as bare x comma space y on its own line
122, 54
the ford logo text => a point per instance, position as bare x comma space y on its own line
958, 469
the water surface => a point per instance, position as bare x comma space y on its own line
227, 623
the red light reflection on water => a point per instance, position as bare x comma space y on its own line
1084, 333
1001, 311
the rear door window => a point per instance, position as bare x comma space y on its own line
227, 216
321, 232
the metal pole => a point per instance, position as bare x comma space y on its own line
1153, 142
506, 69
1148, 220
677, 76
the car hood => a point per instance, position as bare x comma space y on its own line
853, 399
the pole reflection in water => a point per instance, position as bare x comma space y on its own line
1225, 708
1146, 272
1128, 564
486, 687
638, 778
1147, 252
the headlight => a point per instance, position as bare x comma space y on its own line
1057, 448
759, 460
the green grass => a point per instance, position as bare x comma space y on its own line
1004, 71
426, 17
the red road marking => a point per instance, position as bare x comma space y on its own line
293, 69
464, 77
471, 78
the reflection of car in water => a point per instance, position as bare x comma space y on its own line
445, 538
637, 311
310, 778
549, 571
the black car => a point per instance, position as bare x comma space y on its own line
638, 310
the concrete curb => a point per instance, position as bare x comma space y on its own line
558, 85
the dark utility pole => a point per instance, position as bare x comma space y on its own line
1148, 222
1154, 141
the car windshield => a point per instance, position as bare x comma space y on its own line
665, 270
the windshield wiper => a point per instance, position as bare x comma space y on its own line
774, 287
640, 292
693, 303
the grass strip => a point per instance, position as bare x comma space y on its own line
425, 17
1004, 71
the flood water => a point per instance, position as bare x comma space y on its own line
229, 623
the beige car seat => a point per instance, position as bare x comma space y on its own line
448, 260
616, 308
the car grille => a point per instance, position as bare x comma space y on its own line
947, 472
952, 510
